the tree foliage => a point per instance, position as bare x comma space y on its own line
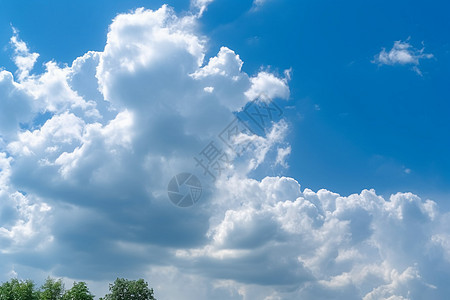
18, 290
53, 289
124, 289
79, 291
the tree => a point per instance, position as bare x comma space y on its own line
79, 291
18, 290
124, 289
6, 291
52, 290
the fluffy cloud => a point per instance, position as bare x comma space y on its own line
402, 53
87, 151
320, 245
107, 133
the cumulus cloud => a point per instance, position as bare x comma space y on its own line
87, 151
402, 53
328, 246
263, 82
121, 121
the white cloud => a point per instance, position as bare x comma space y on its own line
22, 217
282, 154
226, 63
361, 246
259, 3
268, 85
201, 5
23, 59
156, 117
83, 183
223, 74
402, 53
16, 106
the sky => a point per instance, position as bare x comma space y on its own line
341, 192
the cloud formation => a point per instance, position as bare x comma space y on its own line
259, 3
402, 53
23, 59
200, 5
87, 150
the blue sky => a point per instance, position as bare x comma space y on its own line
364, 91
377, 120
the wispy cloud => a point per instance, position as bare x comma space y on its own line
23, 58
258, 4
402, 53
200, 5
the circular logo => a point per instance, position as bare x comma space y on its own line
184, 189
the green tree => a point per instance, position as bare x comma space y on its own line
6, 291
18, 290
124, 289
52, 290
79, 291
